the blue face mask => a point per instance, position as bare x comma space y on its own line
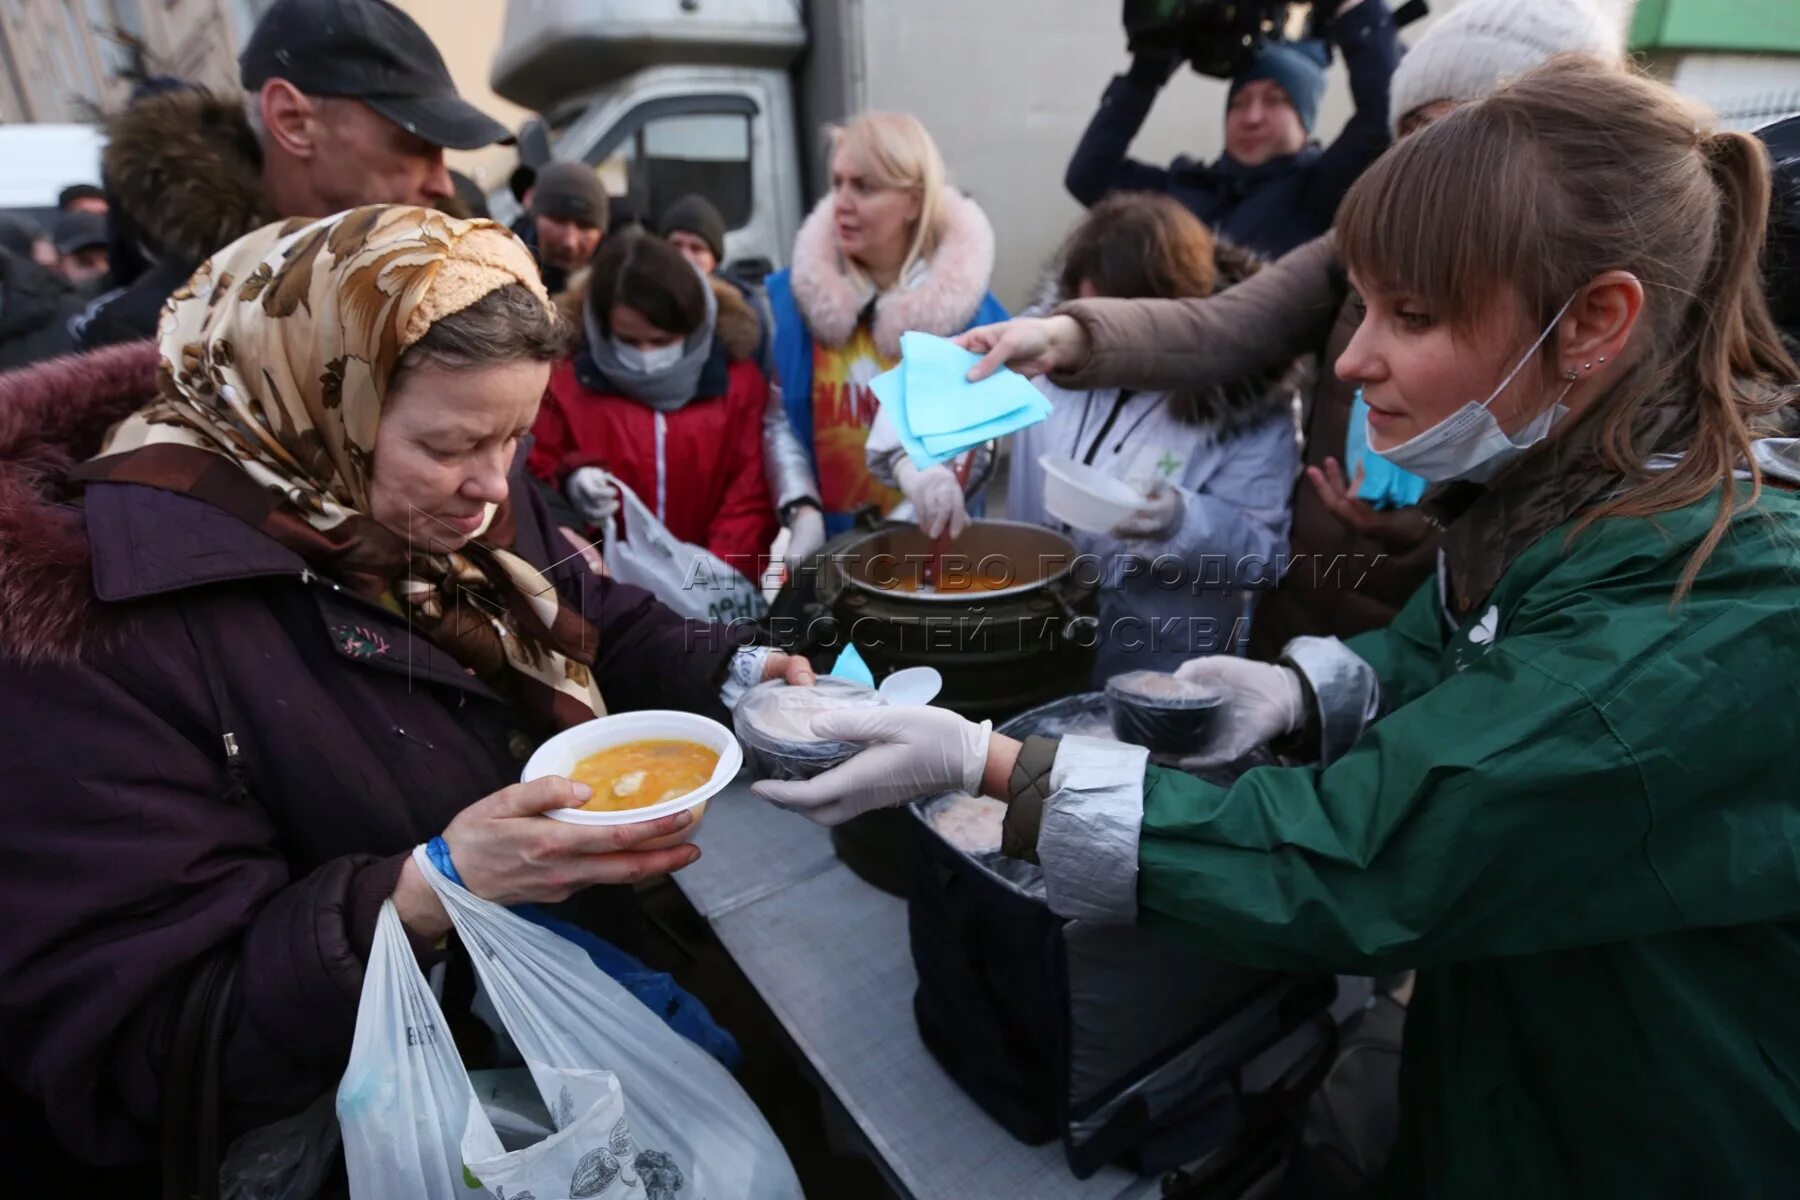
1469, 443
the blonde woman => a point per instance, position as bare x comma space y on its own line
892, 248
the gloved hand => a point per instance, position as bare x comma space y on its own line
806, 534
914, 751
936, 497
1153, 70
1264, 702
593, 494
1159, 519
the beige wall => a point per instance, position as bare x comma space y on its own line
467, 33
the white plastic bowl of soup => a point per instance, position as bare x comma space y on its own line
641, 765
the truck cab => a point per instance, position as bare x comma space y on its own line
663, 98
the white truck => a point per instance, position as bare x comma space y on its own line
729, 98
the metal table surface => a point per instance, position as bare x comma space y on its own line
829, 955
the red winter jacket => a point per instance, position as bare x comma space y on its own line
699, 469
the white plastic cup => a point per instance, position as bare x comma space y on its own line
1086, 497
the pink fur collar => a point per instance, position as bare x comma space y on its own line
941, 301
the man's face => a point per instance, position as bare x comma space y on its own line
84, 265
695, 249
1261, 123
364, 158
566, 243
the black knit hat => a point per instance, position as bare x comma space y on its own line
696, 215
572, 191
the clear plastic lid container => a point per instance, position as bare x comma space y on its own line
1161, 712
774, 722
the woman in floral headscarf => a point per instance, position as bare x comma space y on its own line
304, 617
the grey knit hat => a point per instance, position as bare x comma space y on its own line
1474, 47
572, 191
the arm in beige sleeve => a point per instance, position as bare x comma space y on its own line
1283, 311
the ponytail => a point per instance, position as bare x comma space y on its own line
1735, 345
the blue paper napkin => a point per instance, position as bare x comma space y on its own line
850, 665
939, 413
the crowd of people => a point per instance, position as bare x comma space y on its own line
272, 410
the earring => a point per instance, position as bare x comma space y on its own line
1587, 366
1602, 358
1571, 375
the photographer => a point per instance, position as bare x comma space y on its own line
1274, 187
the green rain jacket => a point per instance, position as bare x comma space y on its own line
1578, 815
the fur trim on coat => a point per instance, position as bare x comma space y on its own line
942, 301
738, 329
53, 416
185, 173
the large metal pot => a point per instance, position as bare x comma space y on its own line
1011, 625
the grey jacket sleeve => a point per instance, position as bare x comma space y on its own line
1346, 692
785, 460
1283, 311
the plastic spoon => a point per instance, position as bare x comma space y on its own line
913, 685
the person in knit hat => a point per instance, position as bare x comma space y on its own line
1478, 44
1274, 187
1301, 305
568, 214
696, 228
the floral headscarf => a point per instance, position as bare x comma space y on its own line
276, 359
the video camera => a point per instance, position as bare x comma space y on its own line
1220, 37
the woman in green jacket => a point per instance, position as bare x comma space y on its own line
1561, 783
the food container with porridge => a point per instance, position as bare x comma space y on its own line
774, 722
1161, 712
641, 766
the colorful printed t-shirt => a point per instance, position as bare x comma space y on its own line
843, 410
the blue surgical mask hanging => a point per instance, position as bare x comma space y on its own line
1469, 443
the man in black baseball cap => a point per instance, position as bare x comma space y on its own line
352, 104
347, 103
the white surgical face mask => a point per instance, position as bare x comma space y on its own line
648, 362
1469, 443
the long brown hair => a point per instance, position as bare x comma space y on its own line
1139, 245
647, 274
1574, 169
1146, 245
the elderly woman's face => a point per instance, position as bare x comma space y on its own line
444, 446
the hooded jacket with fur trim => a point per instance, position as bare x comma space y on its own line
816, 302
137, 627
698, 468
183, 177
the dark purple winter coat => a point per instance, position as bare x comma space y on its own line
131, 848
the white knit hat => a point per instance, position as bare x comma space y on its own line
1472, 48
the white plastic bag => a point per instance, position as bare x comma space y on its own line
640, 1112
690, 579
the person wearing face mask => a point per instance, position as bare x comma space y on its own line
1357, 551
1560, 784
663, 395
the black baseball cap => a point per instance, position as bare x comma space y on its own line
365, 50
78, 230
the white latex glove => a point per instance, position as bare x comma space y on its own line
936, 497
1264, 703
1161, 516
806, 534
914, 751
593, 494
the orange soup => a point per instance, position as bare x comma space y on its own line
639, 774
